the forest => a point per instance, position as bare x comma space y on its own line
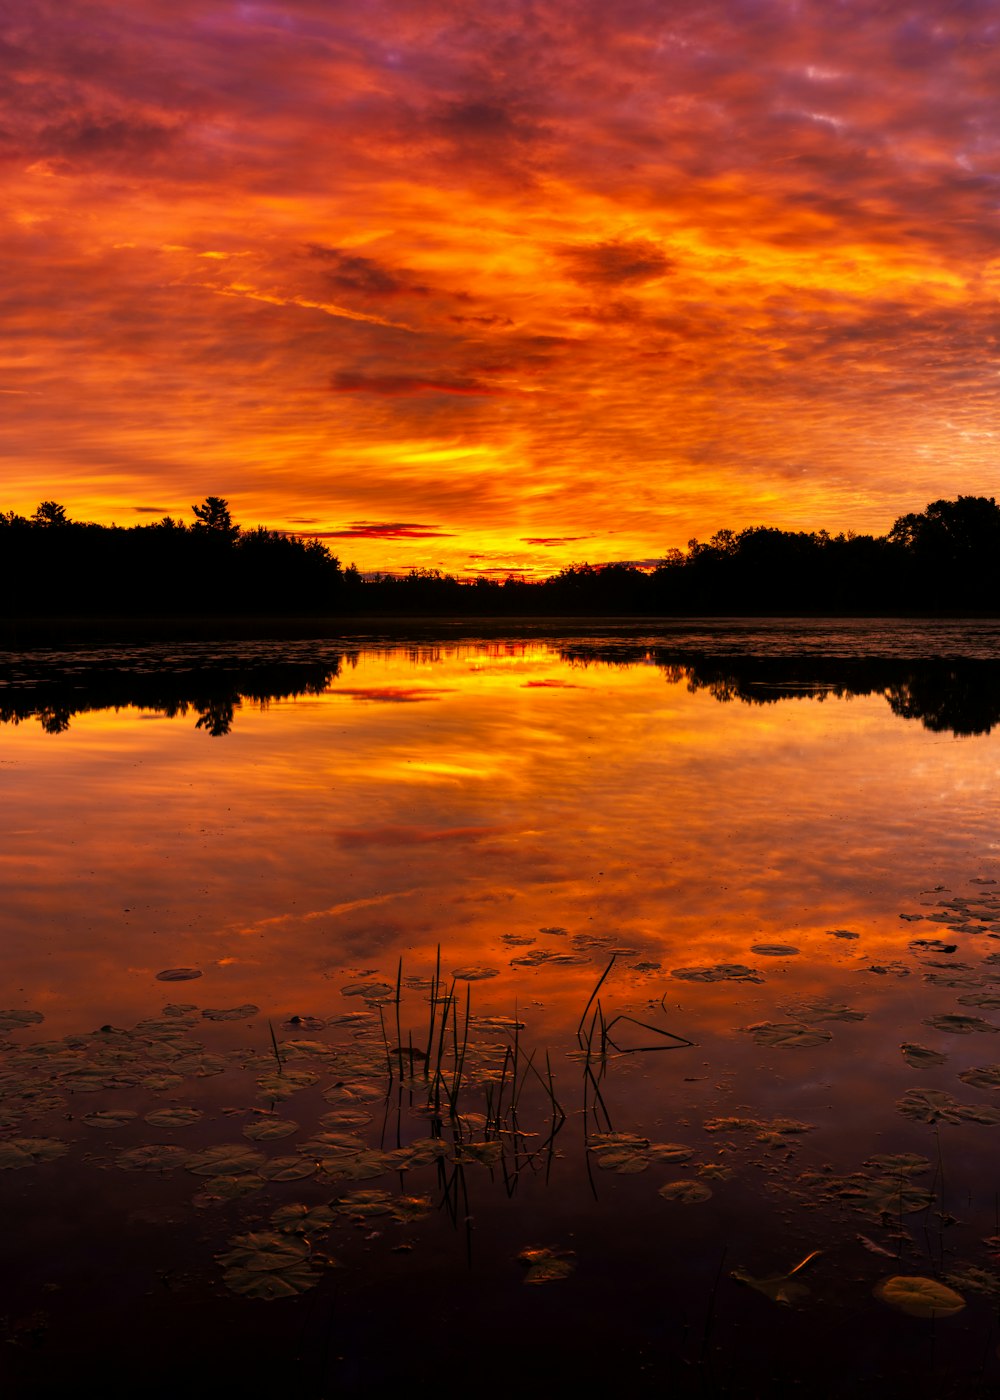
944, 560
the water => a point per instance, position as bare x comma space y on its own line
290, 820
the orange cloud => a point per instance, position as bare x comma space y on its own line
533, 272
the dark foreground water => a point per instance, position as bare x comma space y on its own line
305, 1085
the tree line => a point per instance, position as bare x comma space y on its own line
944, 559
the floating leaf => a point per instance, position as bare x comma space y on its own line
718, 972
345, 1118
303, 1023
846, 932
986, 1077
537, 956
231, 1013
371, 991
959, 1025
174, 1117
774, 950
16, 1020
231, 1188
282, 1283
918, 1056
109, 1118
900, 1163
264, 1251
29, 1152
153, 1157
287, 1168
780, 1289
302, 1220
781, 1126
932, 945
178, 974
920, 1297
474, 974
786, 1035
290, 1081
933, 1106
545, 1265
974, 1280
687, 1192
984, 999
269, 1129
365, 1203
487, 1153
821, 1010
226, 1159
407, 1208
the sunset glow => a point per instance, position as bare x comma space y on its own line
499, 287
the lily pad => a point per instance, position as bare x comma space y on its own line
269, 1129
153, 1157
287, 1168
717, 972
264, 1251
231, 1013
822, 1010
545, 1265
960, 1025
364, 1204
371, 991
918, 1056
29, 1152
474, 974
16, 1020
301, 1219
178, 974
279, 1283
986, 1077
109, 1118
920, 1297
174, 1117
687, 1192
226, 1159
774, 950
786, 1035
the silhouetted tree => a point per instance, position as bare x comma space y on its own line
50, 513
213, 514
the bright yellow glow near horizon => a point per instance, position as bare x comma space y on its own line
486, 289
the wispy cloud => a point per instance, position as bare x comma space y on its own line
530, 271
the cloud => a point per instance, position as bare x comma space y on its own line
390, 694
414, 835
353, 272
406, 385
617, 262
531, 272
380, 530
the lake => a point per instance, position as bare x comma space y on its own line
602, 1007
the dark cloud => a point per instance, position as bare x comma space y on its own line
380, 530
354, 273
406, 385
554, 539
616, 263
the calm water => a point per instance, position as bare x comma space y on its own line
784, 844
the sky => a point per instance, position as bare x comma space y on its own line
500, 287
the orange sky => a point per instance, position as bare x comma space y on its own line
511, 285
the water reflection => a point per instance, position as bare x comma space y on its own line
958, 695
798, 888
